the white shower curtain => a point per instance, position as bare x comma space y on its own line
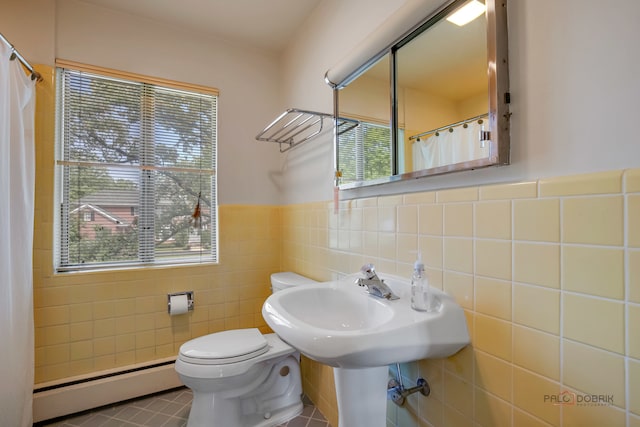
17, 170
447, 148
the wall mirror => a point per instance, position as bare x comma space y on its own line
434, 101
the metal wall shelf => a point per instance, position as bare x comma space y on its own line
295, 126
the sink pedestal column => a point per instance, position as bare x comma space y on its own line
362, 396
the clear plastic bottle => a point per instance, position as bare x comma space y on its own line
421, 298
419, 287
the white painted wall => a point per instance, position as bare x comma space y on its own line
574, 81
574, 68
331, 33
248, 78
30, 27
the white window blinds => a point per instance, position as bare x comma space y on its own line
365, 153
139, 161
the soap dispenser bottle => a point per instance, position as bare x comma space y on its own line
421, 297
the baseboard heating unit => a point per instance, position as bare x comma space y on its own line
104, 388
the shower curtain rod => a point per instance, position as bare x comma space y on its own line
34, 74
469, 120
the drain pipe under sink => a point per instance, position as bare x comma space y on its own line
398, 394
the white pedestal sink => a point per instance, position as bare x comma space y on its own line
340, 324
362, 395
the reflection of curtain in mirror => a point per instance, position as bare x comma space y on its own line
447, 148
471, 148
417, 155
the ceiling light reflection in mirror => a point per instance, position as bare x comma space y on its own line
467, 13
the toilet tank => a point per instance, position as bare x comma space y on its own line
287, 279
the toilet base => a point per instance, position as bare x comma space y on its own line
232, 417
278, 417
272, 399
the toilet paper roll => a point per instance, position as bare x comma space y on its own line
179, 304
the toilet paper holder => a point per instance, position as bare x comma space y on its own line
189, 295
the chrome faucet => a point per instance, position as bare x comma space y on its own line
375, 285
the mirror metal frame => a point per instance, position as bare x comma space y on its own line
498, 102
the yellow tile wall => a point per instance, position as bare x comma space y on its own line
548, 273
90, 322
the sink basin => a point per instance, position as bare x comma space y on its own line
333, 308
340, 324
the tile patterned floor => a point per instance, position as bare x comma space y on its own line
310, 417
168, 409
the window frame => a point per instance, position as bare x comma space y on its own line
61, 177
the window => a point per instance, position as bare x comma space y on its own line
371, 139
141, 158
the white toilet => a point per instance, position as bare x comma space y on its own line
242, 378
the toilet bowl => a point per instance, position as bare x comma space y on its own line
240, 377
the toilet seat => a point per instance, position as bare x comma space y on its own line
224, 347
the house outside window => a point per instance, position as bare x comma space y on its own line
135, 172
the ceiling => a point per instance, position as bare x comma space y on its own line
445, 60
270, 24
267, 24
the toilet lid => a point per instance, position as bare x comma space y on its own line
225, 347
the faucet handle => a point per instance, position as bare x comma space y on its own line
368, 270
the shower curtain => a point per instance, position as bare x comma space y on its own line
17, 170
447, 148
